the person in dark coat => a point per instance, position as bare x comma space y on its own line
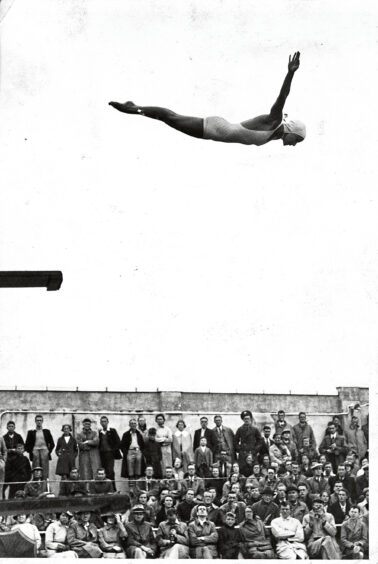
39, 444
66, 451
334, 447
266, 509
222, 440
73, 486
340, 509
152, 453
229, 538
349, 483
132, 446
247, 438
11, 440
109, 446
19, 471
203, 432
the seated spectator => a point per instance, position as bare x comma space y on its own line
304, 496
112, 536
353, 536
266, 509
361, 483
289, 444
215, 481
168, 503
289, 535
298, 509
255, 476
278, 452
229, 538
172, 537
325, 497
170, 482
140, 540
101, 484
148, 483
265, 465
82, 536
295, 477
280, 496
225, 467
213, 512
185, 507
348, 482
203, 459
306, 466
203, 536
149, 512
152, 453
73, 486
364, 505
17, 469
56, 538
246, 468
214, 496
334, 497
178, 472
361, 470
254, 541
328, 470
193, 481
234, 506
340, 509
252, 494
37, 487
308, 450
269, 481
30, 531
234, 478
317, 484
320, 532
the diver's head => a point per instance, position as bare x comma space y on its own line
294, 131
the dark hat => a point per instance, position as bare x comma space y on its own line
108, 514
317, 500
138, 509
267, 491
267, 427
292, 489
86, 420
81, 511
37, 468
246, 412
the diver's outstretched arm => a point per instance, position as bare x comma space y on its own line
278, 106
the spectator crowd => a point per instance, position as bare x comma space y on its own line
253, 493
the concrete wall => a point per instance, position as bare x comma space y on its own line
21, 405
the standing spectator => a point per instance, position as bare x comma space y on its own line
39, 444
223, 440
333, 446
142, 426
203, 432
172, 537
56, 538
112, 536
109, 445
308, 450
255, 543
354, 435
11, 439
203, 536
247, 439
320, 532
164, 437
140, 537
3, 459
365, 430
82, 536
152, 452
89, 456
229, 538
289, 535
19, 471
266, 443
289, 444
281, 424
353, 536
182, 444
303, 429
203, 459
132, 446
66, 451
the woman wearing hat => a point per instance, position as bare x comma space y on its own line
56, 538
256, 131
112, 536
66, 451
82, 536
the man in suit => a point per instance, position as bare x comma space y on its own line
132, 446
340, 509
223, 439
333, 446
247, 438
203, 459
317, 484
109, 448
281, 424
39, 444
266, 442
224, 466
11, 439
203, 432
348, 482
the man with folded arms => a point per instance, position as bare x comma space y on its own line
203, 536
289, 535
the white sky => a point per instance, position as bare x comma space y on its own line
188, 264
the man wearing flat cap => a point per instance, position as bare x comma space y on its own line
266, 509
140, 537
317, 484
247, 439
298, 509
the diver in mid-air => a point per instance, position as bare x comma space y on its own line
255, 131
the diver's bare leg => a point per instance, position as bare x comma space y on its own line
192, 126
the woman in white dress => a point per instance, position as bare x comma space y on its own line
183, 445
164, 437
